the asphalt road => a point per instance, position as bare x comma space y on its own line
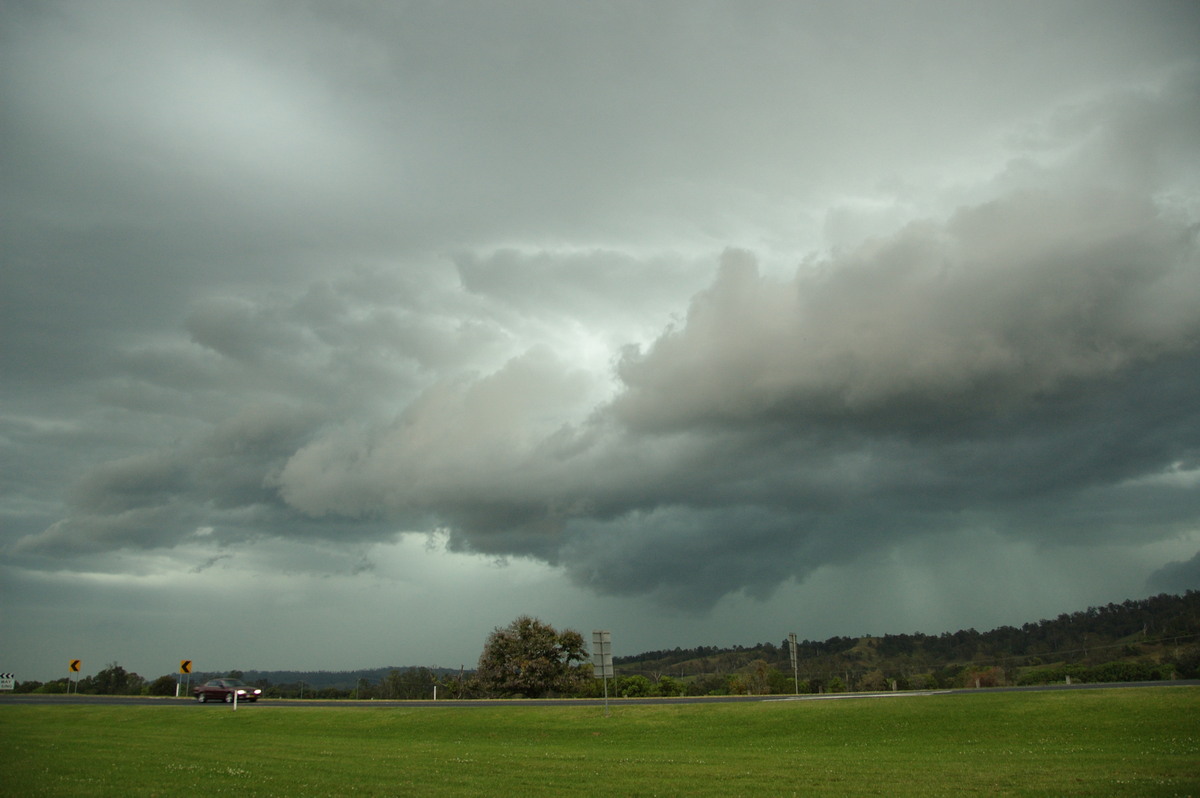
35, 699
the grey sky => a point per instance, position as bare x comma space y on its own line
703, 322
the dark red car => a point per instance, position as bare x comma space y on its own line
225, 690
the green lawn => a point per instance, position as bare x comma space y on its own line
1083, 742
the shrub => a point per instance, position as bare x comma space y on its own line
668, 686
633, 686
163, 685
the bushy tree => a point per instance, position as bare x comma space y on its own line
669, 686
54, 686
1187, 663
408, 684
709, 684
163, 685
634, 686
874, 680
113, 680
983, 677
454, 687
780, 683
756, 678
530, 658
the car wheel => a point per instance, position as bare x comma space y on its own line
229, 698
201, 697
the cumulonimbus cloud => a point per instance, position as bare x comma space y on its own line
1018, 363
950, 373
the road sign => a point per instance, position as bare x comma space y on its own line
8, 681
602, 662
75, 664
185, 666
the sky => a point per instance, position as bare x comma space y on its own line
336, 335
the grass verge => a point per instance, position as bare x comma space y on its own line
1084, 742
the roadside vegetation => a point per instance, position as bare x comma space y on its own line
1142, 742
1152, 639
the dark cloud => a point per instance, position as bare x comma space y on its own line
754, 455
1021, 365
282, 283
1176, 577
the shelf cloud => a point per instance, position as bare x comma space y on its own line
672, 308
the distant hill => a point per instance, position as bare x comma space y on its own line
1152, 638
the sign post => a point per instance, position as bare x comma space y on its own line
185, 669
795, 665
73, 667
602, 664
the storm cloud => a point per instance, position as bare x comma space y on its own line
1018, 362
683, 306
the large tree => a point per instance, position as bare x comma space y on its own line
530, 658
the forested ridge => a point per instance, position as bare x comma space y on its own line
1151, 638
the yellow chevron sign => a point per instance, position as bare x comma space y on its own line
185, 666
74, 666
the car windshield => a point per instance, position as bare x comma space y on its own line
234, 683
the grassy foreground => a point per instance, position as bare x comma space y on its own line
1085, 742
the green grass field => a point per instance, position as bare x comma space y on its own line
1084, 742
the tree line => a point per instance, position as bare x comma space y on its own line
1147, 639
1156, 638
395, 684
